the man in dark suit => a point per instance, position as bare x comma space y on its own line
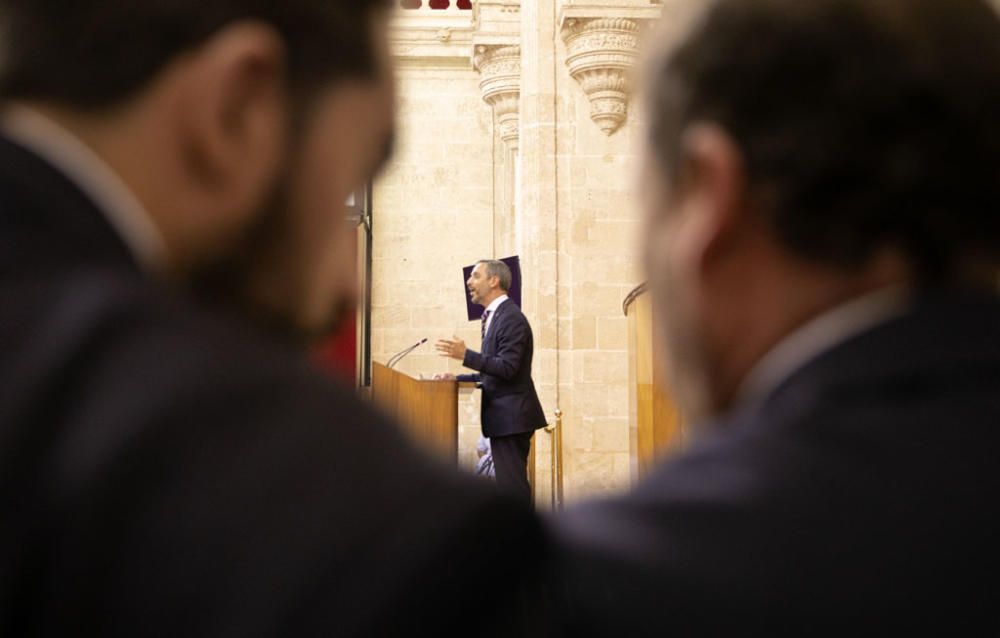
171, 233
821, 237
511, 411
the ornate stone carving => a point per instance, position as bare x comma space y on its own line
500, 72
600, 54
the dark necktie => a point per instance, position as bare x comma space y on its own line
486, 315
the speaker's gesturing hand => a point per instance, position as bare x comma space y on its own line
453, 348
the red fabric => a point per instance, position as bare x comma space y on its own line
339, 354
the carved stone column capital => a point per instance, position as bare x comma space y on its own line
499, 68
600, 53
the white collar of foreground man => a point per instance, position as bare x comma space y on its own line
819, 335
82, 166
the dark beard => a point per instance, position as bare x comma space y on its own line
233, 282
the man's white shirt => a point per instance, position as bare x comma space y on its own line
492, 310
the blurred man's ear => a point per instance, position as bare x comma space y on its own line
234, 116
712, 189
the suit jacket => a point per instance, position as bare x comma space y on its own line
862, 494
510, 403
169, 471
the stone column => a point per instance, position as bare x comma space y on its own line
496, 55
499, 68
537, 206
599, 140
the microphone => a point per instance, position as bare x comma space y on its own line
399, 356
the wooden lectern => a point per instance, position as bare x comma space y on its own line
428, 410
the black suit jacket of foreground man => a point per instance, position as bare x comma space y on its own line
510, 402
862, 494
167, 472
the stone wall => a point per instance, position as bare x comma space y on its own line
598, 225
433, 213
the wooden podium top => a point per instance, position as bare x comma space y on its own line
427, 409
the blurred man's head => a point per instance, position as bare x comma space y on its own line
490, 279
241, 125
802, 153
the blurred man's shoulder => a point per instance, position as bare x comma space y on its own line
121, 335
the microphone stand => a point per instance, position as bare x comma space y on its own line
401, 355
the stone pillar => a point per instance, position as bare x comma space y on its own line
537, 206
496, 55
599, 139
499, 68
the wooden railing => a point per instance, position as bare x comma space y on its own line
632, 296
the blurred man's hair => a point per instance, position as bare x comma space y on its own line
97, 53
862, 123
500, 270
